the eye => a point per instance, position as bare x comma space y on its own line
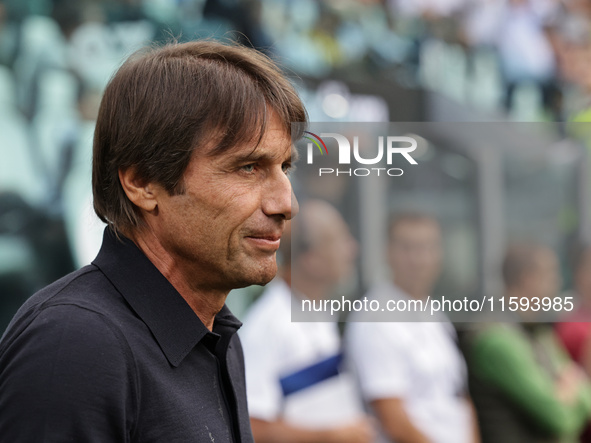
248, 168
288, 168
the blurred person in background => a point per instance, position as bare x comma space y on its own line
524, 385
297, 390
412, 373
575, 331
571, 32
525, 52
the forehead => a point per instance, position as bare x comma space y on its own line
274, 143
545, 257
415, 229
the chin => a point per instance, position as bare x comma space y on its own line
260, 275
267, 275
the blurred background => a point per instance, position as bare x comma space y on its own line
352, 61
496, 92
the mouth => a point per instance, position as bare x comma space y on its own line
268, 242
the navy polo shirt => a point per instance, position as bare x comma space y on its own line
113, 353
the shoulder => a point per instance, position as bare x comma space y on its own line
82, 286
84, 290
75, 315
63, 331
72, 366
498, 334
65, 346
366, 326
383, 342
500, 342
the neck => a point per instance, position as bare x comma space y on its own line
206, 303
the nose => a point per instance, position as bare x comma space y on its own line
279, 199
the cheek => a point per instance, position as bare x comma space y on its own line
546, 285
197, 222
214, 210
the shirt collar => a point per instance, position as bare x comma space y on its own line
175, 326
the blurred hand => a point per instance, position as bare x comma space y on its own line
360, 431
568, 383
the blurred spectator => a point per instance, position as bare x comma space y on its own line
575, 330
570, 37
525, 52
296, 389
412, 374
524, 386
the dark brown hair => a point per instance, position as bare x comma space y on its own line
164, 103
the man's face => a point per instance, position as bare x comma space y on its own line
223, 231
337, 251
415, 255
331, 257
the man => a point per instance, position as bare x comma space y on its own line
297, 391
525, 387
191, 154
412, 374
575, 328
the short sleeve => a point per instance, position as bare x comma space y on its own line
263, 390
66, 376
377, 359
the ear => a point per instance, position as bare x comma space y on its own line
140, 193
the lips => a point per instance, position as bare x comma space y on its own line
266, 241
270, 237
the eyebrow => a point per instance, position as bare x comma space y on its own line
258, 156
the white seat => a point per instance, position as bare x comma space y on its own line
527, 103
455, 65
485, 86
95, 50
56, 121
42, 46
17, 167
